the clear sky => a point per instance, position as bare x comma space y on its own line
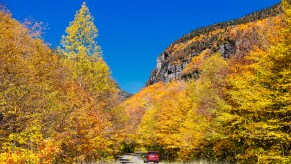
132, 33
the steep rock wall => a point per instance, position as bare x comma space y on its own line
217, 38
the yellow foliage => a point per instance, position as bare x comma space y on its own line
196, 62
55, 109
81, 35
255, 116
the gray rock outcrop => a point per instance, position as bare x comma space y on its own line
172, 62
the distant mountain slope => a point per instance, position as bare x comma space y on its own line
123, 95
172, 63
233, 103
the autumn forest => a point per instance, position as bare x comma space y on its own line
62, 105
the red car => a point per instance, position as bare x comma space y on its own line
151, 156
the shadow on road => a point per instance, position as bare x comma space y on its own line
123, 160
129, 158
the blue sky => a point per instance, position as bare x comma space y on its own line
132, 33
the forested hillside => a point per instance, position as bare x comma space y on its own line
173, 63
234, 105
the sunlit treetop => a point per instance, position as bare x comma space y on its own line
81, 34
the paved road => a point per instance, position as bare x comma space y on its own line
136, 159
129, 158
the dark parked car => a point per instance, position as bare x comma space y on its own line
151, 156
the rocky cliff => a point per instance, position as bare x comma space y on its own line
173, 62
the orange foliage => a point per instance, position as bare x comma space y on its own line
196, 62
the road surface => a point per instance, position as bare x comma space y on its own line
136, 158
129, 158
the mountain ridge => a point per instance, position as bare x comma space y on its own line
172, 62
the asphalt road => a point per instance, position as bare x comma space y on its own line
136, 158
130, 158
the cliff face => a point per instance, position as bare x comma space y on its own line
166, 71
218, 38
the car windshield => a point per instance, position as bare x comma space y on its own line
152, 153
